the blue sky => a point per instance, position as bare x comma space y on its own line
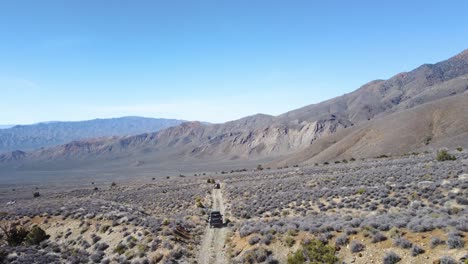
208, 60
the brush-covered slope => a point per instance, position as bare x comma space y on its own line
439, 124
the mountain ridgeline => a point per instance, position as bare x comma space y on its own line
30, 137
426, 108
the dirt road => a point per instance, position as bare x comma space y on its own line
213, 244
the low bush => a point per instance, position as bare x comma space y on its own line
313, 252
402, 243
342, 240
289, 241
14, 234
416, 250
356, 246
443, 155
254, 240
36, 235
120, 249
3, 256
378, 237
447, 260
256, 255
391, 258
455, 241
435, 241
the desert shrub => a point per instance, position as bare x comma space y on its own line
342, 240
455, 241
443, 155
36, 235
462, 225
95, 238
313, 252
361, 191
120, 249
267, 239
402, 243
14, 234
378, 237
157, 258
356, 246
463, 201
416, 250
254, 240
459, 149
101, 246
256, 255
435, 241
105, 228
351, 231
447, 260
3, 256
391, 258
177, 253
289, 241
97, 257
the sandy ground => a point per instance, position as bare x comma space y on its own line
213, 247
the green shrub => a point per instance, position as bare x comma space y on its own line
459, 149
443, 155
120, 249
36, 236
3, 256
105, 228
314, 252
428, 140
14, 234
361, 191
289, 241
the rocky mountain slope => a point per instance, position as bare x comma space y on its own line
423, 108
29, 137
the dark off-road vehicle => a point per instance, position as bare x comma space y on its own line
215, 219
217, 185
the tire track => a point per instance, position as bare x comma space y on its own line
212, 250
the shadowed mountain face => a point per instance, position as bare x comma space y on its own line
424, 108
28, 137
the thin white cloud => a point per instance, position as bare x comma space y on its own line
13, 84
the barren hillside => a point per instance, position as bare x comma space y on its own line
423, 108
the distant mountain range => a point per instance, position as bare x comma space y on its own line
6, 126
424, 109
46, 134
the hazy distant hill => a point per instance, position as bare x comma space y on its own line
421, 109
28, 137
6, 126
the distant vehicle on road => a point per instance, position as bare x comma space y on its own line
217, 185
216, 219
